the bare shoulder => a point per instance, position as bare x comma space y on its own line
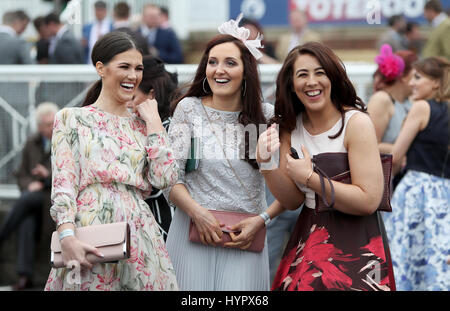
419, 114
359, 128
420, 106
381, 98
360, 121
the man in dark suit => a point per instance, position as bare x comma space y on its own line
64, 47
121, 16
163, 43
31, 210
43, 43
95, 30
13, 49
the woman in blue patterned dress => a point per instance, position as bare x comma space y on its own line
419, 226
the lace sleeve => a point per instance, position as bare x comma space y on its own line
180, 133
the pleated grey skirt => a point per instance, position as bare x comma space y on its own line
206, 268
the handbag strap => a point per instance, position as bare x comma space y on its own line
322, 176
229, 162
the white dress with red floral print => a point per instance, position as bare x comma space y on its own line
104, 167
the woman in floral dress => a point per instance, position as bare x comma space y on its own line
105, 161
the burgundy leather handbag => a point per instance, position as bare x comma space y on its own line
335, 164
229, 219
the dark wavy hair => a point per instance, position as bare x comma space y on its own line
161, 81
288, 105
252, 112
104, 50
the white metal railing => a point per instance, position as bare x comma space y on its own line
31, 77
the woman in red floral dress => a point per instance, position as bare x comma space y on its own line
318, 111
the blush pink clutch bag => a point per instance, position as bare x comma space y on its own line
112, 240
229, 219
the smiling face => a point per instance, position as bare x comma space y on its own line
122, 75
311, 83
423, 87
225, 70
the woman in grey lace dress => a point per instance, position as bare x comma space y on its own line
224, 97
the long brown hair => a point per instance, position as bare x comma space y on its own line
437, 68
252, 97
287, 103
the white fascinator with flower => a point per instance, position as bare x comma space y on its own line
232, 28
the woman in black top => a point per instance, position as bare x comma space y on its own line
418, 228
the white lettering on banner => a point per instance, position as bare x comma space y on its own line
301, 4
338, 9
374, 14
320, 10
391, 7
355, 9
413, 8
253, 8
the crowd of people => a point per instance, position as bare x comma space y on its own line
57, 44
165, 160
154, 35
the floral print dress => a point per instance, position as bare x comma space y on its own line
104, 167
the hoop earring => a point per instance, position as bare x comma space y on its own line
244, 87
204, 88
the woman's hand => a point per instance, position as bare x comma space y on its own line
268, 144
208, 227
247, 230
74, 249
300, 169
148, 111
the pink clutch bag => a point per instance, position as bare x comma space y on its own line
112, 240
229, 219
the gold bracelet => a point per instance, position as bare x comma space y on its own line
307, 178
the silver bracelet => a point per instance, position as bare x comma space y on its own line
266, 218
65, 233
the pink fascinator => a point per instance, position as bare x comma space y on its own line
389, 64
231, 28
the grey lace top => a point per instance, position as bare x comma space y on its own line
213, 184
